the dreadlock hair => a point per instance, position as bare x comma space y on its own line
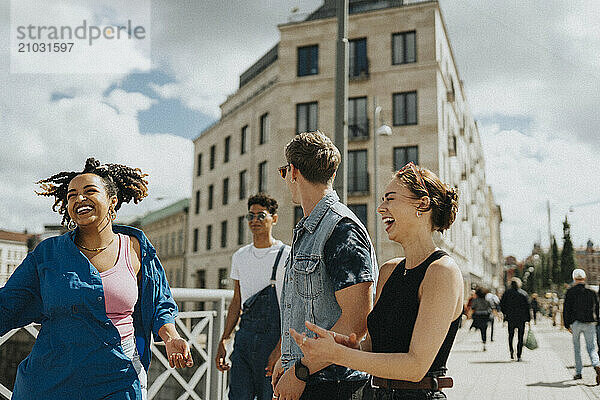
119, 180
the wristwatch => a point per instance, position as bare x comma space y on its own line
301, 371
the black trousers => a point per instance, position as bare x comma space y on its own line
520, 327
344, 390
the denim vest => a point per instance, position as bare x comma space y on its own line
308, 293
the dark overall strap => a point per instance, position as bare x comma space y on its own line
274, 273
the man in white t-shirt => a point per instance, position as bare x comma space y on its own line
257, 271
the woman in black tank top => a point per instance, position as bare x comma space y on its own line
418, 302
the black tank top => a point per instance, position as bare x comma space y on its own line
393, 318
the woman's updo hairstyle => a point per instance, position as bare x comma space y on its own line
119, 180
443, 199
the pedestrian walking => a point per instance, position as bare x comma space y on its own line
515, 307
99, 292
535, 307
329, 277
482, 311
468, 308
580, 313
494, 301
257, 271
419, 298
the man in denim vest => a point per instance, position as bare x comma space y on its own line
330, 274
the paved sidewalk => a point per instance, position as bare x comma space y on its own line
544, 373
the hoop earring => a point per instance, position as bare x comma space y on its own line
112, 214
72, 225
418, 214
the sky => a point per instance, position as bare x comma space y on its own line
530, 70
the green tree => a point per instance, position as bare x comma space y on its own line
555, 263
567, 256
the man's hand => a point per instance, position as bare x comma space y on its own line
273, 357
276, 373
220, 358
289, 387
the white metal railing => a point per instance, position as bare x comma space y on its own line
202, 330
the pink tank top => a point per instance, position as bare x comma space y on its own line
121, 290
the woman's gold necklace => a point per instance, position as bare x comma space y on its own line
97, 248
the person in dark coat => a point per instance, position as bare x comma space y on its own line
482, 310
515, 307
580, 313
535, 307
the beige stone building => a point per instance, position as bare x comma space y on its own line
401, 58
588, 258
13, 250
167, 230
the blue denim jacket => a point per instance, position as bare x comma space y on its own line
78, 353
308, 293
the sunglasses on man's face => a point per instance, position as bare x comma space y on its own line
283, 170
260, 216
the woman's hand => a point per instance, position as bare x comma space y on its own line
322, 348
178, 352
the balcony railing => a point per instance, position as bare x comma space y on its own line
358, 131
202, 330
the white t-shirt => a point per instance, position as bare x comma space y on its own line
253, 268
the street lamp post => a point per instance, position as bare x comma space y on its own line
382, 130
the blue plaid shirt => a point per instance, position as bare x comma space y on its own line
78, 353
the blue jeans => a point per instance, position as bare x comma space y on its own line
589, 331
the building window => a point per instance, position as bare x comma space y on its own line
201, 284
195, 245
298, 214
226, 150
223, 281
358, 177
208, 237
224, 234
243, 178
225, 191
199, 165
262, 177
359, 65
213, 150
361, 212
265, 126
241, 230
211, 192
404, 155
404, 48
306, 117
405, 108
244, 140
197, 203
308, 60
180, 240
358, 123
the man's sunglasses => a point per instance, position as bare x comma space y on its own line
260, 216
417, 173
283, 170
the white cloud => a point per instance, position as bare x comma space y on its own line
61, 135
528, 170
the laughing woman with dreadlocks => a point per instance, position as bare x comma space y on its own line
99, 292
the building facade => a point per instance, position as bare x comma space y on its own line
167, 230
588, 259
400, 60
13, 250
